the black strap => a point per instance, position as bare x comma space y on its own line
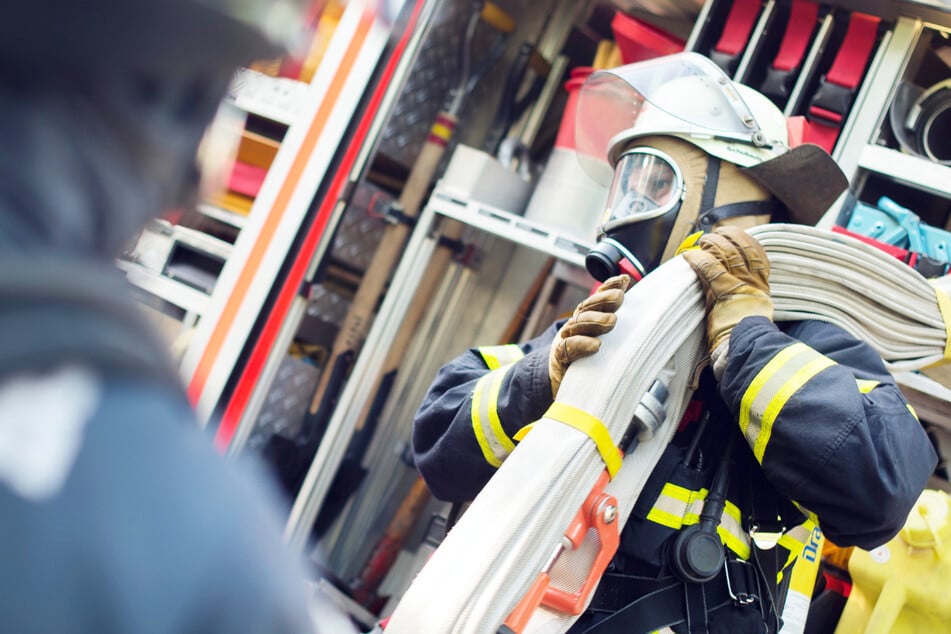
712, 216
696, 605
708, 197
765, 517
662, 608
668, 601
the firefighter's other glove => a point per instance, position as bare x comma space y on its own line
578, 337
734, 271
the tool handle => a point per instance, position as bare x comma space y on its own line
388, 547
598, 512
356, 324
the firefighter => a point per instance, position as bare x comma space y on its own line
118, 515
795, 426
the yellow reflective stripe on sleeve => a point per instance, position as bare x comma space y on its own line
593, 428
912, 410
497, 356
492, 439
772, 388
866, 385
677, 507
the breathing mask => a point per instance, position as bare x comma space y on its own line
666, 190
670, 135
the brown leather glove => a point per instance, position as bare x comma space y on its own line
734, 271
578, 336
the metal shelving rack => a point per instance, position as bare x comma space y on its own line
443, 203
319, 113
317, 116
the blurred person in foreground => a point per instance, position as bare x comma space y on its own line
118, 516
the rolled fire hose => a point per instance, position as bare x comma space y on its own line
496, 551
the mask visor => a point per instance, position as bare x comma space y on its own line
647, 183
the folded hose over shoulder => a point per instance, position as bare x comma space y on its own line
490, 559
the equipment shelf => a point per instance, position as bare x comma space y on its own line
181, 295
512, 227
276, 98
906, 168
223, 215
358, 390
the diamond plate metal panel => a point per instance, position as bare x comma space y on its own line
326, 304
435, 73
361, 227
286, 403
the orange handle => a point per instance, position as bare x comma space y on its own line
601, 515
519, 617
599, 512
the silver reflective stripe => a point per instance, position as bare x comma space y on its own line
677, 507
772, 388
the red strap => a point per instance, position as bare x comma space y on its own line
802, 21
796, 130
846, 71
890, 249
854, 51
822, 134
739, 25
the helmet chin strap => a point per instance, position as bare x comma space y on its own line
709, 218
709, 214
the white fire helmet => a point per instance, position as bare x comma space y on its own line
684, 95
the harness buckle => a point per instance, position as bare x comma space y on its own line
831, 102
766, 538
739, 596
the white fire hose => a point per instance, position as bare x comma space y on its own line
508, 536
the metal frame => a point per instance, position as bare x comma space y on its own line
878, 88
701, 22
912, 170
809, 65
280, 207
359, 387
369, 364
766, 16
185, 297
295, 314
